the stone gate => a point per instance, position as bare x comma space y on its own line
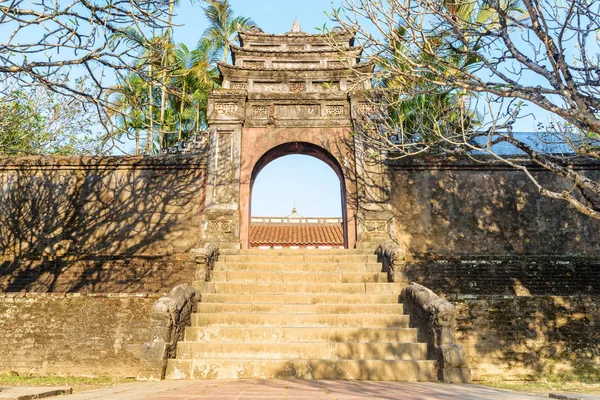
292, 93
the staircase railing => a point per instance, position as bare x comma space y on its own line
169, 317
434, 318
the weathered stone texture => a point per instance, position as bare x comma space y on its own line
88, 274
458, 207
521, 275
510, 336
111, 205
483, 229
75, 334
111, 224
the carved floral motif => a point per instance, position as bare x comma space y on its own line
376, 226
219, 227
368, 108
239, 85
226, 108
296, 87
335, 111
260, 111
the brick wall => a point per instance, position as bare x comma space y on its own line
106, 224
508, 336
73, 334
484, 229
501, 274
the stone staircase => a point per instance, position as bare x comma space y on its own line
309, 314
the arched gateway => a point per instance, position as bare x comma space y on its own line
291, 94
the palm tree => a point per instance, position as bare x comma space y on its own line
150, 55
223, 25
128, 111
195, 76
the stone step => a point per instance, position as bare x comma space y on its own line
297, 277
283, 252
300, 320
299, 334
299, 288
316, 258
374, 370
302, 351
359, 267
275, 308
301, 298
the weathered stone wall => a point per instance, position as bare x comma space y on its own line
481, 229
507, 336
521, 275
461, 207
108, 205
73, 334
117, 224
97, 274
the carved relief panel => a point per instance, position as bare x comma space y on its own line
224, 168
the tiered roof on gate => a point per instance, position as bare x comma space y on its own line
295, 62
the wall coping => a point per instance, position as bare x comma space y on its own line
491, 297
35, 295
476, 163
102, 163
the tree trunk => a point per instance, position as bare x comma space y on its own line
151, 111
181, 112
163, 94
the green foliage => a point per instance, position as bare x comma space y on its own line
79, 383
422, 112
169, 104
40, 122
223, 25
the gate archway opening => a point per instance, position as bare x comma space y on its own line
303, 230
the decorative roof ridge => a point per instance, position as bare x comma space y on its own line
309, 51
357, 66
299, 34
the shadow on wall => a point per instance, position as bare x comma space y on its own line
68, 224
502, 274
458, 206
538, 336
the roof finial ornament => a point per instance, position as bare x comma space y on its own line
296, 28
294, 213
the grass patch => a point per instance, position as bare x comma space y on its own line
79, 383
582, 379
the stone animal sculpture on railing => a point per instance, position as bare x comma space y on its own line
435, 319
392, 258
169, 317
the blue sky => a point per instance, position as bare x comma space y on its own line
271, 15
306, 181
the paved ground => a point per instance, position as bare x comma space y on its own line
28, 393
297, 390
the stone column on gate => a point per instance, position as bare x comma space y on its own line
221, 216
375, 218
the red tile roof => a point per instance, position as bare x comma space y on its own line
296, 235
